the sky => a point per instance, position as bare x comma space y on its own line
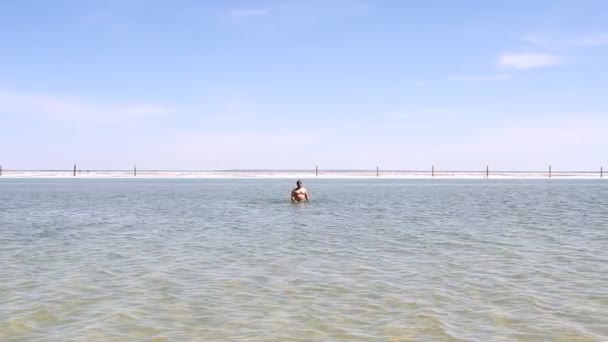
342, 84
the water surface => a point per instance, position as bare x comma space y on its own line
366, 260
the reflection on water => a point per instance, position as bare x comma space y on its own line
178, 260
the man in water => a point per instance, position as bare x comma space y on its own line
299, 193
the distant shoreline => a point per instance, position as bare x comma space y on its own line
285, 174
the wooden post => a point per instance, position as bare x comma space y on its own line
377, 171
316, 171
74, 170
134, 170
433, 171
0, 170
487, 171
601, 171
549, 171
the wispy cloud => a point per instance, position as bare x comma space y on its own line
555, 42
223, 104
243, 14
528, 60
116, 22
560, 40
462, 78
432, 113
571, 142
72, 108
233, 149
479, 78
533, 144
300, 12
419, 83
592, 40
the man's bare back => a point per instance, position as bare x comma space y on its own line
299, 193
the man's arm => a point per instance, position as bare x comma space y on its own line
292, 197
306, 195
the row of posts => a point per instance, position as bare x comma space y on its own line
377, 171
433, 171
74, 174
134, 170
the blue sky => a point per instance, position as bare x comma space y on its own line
294, 84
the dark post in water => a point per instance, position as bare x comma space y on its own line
487, 171
433, 171
74, 170
549, 171
377, 171
134, 170
316, 171
601, 171
0, 170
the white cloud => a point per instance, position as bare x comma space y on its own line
528, 60
72, 108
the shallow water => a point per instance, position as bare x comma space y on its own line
366, 260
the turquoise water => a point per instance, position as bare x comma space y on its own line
366, 260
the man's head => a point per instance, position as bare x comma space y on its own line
299, 183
